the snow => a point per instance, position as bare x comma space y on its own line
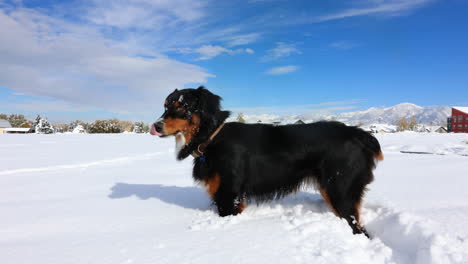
78, 129
122, 198
463, 109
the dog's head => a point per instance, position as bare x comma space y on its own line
189, 114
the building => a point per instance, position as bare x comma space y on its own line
17, 130
299, 122
276, 123
3, 125
441, 130
458, 122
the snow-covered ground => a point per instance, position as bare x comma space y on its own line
77, 198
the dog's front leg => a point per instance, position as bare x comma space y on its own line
225, 201
228, 202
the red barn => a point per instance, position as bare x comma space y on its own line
458, 122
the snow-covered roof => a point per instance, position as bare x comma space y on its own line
17, 129
4, 123
463, 109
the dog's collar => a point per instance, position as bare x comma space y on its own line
200, 150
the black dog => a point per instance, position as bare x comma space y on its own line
238, 162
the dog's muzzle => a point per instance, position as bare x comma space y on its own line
157, 128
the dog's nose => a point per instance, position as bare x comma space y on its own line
158, 126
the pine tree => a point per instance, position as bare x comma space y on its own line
42, 126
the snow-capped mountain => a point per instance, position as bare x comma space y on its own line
435, 115
391, 115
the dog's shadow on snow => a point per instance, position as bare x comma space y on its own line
196, 197
187, 197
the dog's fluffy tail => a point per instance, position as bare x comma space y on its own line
371, 144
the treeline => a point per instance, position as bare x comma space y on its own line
405, 124
104, 126
16, 120
41, 125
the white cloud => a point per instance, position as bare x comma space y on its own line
144, 13
241, 39
391, 7
45, 106
209, 51
282, 70
48, 57
281, 50
343, 45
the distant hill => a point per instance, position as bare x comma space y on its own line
435, 115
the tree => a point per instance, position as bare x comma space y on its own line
17, 120
106, 126
61, 127
140, 127
42, 126
3, 116
126, 125
76, 123
240, 118
413, 124
26, 125
402, 124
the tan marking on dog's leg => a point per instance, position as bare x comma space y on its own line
242, 206
357, 208
327, 201
212, 184
379, 156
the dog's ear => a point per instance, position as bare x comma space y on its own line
207, 101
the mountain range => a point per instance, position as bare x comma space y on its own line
428, 115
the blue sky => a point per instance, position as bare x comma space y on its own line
103, 59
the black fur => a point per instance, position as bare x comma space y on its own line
265, 162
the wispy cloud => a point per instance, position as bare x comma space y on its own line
249, 51
45, 106
144, 13
207, 52
280, 50
343, 45
241, 39
210, 51
390, 7
282, 70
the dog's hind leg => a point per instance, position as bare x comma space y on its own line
344, 207
342, 188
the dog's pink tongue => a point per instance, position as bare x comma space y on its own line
154, 132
